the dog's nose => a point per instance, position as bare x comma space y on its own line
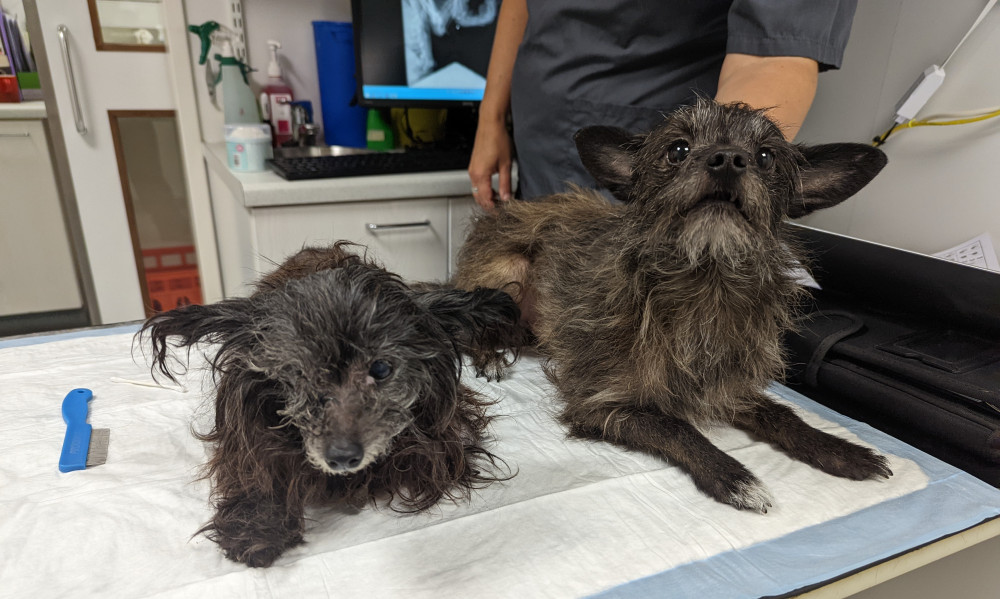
728, 162
345, 455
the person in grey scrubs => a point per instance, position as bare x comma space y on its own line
561, 65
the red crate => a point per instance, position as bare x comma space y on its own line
171, 277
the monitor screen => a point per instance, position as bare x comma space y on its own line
422, 52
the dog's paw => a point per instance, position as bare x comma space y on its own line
739, 488
839, 457
254, 557
491, 365
751, 495
254, 552
253, 530
854, 462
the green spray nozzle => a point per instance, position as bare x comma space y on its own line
204, 32
230, 60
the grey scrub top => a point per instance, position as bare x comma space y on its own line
626, 62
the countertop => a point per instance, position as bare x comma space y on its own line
22, 110
266, 188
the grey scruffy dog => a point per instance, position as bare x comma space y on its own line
336, 381
665, 313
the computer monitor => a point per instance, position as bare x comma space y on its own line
422, 53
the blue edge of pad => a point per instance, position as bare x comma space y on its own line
25, 340
953, 501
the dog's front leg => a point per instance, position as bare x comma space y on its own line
779, 425
715, 473
254, 529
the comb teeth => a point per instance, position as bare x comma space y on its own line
97, 453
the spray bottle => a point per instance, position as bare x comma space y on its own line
238, 102
276, 99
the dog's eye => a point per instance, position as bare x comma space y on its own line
379, 370
765, 158
678, 151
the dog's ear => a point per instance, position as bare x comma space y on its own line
485, 318
483, 323
834, 172
221, 322
608, 154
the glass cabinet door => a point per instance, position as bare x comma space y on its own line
128, 25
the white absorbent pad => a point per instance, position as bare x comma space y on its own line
578, 517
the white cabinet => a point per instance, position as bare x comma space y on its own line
37, 272
409, 237
413, 223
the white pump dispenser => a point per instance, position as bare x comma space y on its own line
276, 98
273, 68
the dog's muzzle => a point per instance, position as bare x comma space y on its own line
344, 455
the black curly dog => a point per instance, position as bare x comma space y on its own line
336, 381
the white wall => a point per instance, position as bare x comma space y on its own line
940, 187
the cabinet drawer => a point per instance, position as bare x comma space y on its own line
410, 237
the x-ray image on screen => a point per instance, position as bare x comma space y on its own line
444, 41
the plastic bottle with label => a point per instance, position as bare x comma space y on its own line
276, 100
238, 105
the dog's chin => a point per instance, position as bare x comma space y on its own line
718, 204
716, 230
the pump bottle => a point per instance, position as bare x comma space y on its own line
276, 100
239, 103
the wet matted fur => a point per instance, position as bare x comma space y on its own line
665, 313
336, 381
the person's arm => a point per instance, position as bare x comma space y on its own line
785, 85
491, 152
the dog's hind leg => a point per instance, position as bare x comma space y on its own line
779, 425
715, 473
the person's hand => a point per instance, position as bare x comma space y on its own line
490, 154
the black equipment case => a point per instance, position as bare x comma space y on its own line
907, 343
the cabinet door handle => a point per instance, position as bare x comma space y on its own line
375, 227
74, 97
25, 134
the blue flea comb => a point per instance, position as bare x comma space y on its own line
83, 446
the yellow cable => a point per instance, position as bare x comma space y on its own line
933, 123
930, 123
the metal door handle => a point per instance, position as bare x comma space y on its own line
74, 97
374, 227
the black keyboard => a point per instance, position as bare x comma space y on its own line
376, 163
